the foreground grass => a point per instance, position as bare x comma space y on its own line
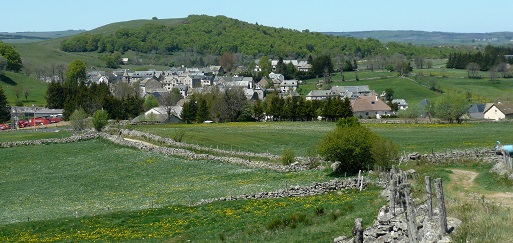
313, 218
96, 176
483, 219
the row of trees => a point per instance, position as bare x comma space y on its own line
74, 94
484, 61
231, 105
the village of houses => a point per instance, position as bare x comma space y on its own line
365, 103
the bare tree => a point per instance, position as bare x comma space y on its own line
419, 62
502, 68
170, 99
26, 93
17, 91
473, 70
494, 74
123, 89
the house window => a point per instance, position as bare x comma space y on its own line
366, 113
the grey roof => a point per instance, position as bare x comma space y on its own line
319, 93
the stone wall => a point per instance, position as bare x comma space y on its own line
75, 138
297, 191
485, 154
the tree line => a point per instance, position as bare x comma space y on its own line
491, 57
231, 105
73, 94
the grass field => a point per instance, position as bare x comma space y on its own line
320, 218
95, 190
274, 137
87, 178
37, 88
29, 134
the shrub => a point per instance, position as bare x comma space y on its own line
356, 147
100, 119
291, 221
178, 135
78, 120
288, 157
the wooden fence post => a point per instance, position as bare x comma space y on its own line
410, 214
358, 231
441, 206
429, 197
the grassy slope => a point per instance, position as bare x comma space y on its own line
87, 178
37, 88
133, 24
403, 88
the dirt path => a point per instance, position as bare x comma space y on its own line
462, 182
139, 141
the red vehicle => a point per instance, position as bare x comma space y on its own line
38, 121
4, 126
22, 123
54, 119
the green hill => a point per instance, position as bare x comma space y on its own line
11, 81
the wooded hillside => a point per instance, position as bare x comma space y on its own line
216, 35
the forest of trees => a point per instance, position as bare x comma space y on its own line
217, 35
491, 57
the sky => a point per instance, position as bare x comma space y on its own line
463, 16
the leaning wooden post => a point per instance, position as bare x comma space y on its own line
358, 231
441, 206
392, 194
429, 196
410, 214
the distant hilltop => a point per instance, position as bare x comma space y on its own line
33, 36
431, 38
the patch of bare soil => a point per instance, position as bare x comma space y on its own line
139, 141
463, 180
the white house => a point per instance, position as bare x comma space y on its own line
498, 111
401, 104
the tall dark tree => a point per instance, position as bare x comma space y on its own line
202, 112
322, 64
55, 96
5, 109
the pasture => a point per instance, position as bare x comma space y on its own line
95, 190
302, 137
94, 177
